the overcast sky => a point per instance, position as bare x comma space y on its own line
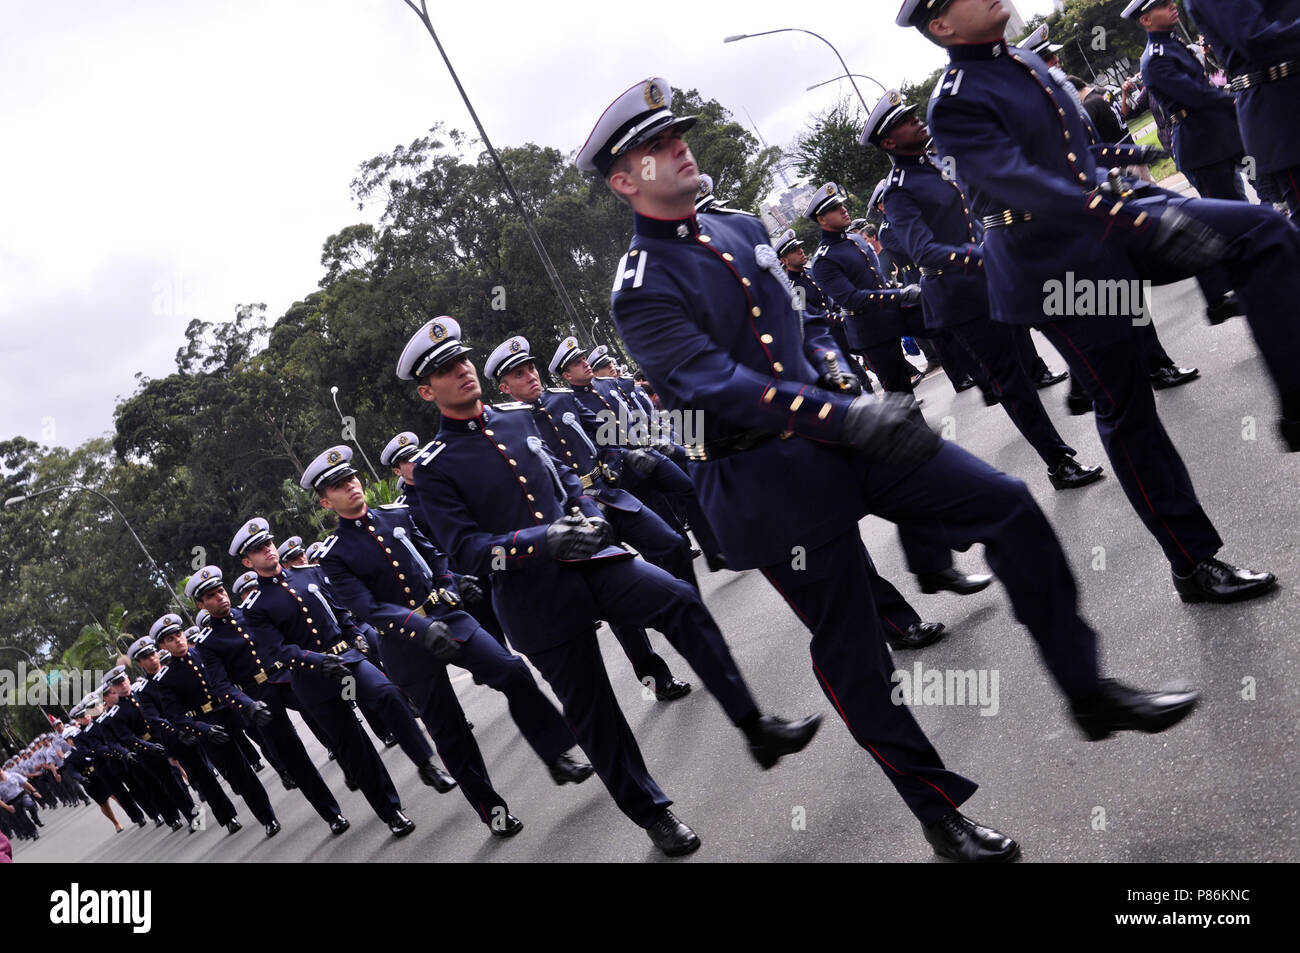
164, 161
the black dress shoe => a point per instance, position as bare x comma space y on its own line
1229, 306
696, 552
339, 825
390, 742
957, 837
1117, 707
141, 823
176, 824
773, 737
1290, 431
672, 836
1048, 379
1168, 377
1069, 474
400, 824
715, 562
565, 770
508, 826
272, 829
1215, 581
288, 782
234, 826
991, 399
1078, 404
258, 766
950, 580
431, 773
673, 689
157, 823
330, 755
918, 636
350, 784
965, 383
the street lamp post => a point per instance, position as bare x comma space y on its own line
792, 29
836, 79
334, 392
13, 500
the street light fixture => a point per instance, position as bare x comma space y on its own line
334, 392
795, 29
14, 500
836, 79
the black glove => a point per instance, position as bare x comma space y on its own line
1150, 155
571, 538
641, 462
131, 758
607, 532
1185, 243
157, 751
841, 382
470, 589
217, 735
259, 715
332, 666
187, 736
910, 296
886, 430
437, 640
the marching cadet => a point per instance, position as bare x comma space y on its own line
1206, 138
703, 280
132, 731
188, 699
793, 257
313, 549
292, 553
1048, 221
644, 471
1260, 45
499, 502
843, 268
571, 431
124, 764
81, 760
99, 763
316, 640
245, 586
387, 572
251, 680
931, 216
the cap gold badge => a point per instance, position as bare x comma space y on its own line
654, 96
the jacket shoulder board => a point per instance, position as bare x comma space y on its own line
326, 546
949, 83
513, 405
559, 390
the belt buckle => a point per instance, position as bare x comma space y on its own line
146, 737
260, 677
421, 610
206, 709
587, 480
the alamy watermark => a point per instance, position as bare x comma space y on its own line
1095, 298
58, 686
934, 686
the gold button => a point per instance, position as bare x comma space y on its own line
514, 463
488, 432
1072, 157
309, 620
539, 516
523, 481
501, 446
395, 566
314, 632
706, 239
728, 256
513, 550
778, 366
530, 549
380, 538
746, 282
756, 311
825, 411
633, 253
768, 395
530, 496
401, 576
766, 338
387, 550
797, 402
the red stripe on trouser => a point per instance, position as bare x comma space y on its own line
1128, 459
836, 701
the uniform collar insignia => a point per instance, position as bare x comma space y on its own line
673, 229
977, 51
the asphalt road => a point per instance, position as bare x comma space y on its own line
1219, 787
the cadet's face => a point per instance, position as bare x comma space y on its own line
454, 385
263, 559
344, 498
407, 470
579, 373
971, 21
216, 601
909, 135
121, 688
150, 663
176, 644
661, 174
837, 219
522, 382
796, 259
1161, 18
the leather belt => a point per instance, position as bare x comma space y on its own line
1177, 118
146, 737
588, 479
449, 599
1005, 218
1272, 74
338, 649
730, 446
205, 710
931, 272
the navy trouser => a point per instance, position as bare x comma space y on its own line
1222, 180
887, 362
1263, 264
234, 767
381, 702
204, 781
283, 738
1288, 184
1108, 358
632, 592
994, 347
896, 613
351, 745
847, 360
171, 795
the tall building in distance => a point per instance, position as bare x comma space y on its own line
1016, 25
